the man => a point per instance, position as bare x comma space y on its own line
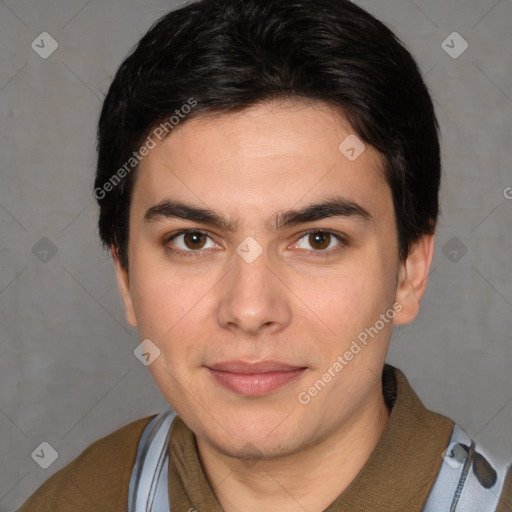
268, 177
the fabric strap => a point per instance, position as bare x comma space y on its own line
148, 489
466, 482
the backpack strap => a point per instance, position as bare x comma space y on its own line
468, 481
148, 490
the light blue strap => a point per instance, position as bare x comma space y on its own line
148, 489
468, 481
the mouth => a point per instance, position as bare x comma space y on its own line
254, 379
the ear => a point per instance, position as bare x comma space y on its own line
123, 282
412, 279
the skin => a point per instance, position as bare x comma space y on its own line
290, 304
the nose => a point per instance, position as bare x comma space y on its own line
253, 298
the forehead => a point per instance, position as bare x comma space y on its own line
263, 159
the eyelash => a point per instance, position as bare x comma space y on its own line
317, 253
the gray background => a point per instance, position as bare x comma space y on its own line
67, 369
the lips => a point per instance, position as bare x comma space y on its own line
247, 367
254, 379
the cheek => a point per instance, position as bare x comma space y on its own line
337, 305
172, 304
336, 299
353, 299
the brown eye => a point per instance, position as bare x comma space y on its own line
189, 243
194, 240
321, 242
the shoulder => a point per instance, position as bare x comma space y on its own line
97, 479
505, 502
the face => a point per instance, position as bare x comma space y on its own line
262, 276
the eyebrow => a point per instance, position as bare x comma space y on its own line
333, 207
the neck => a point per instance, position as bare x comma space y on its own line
308, 480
